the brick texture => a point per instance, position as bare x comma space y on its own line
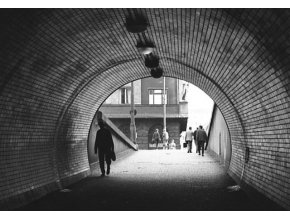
59, 65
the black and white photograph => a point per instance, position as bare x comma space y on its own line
138, 108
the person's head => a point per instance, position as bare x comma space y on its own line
200, 126
190, 128
164, 130
156, 130
101, 124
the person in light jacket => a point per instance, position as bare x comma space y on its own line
188, 139
165, 138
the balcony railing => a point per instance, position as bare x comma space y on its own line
146, 111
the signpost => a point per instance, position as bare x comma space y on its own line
164, 104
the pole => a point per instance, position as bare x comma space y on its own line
164, 104
132, 113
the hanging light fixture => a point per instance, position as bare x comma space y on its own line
145, 48
136, 22
144, 45
156, 72
151, 61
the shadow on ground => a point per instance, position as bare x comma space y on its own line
153, 181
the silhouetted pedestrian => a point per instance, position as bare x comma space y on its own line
188, 139
165, 138
156, 138
201, 138
104, 146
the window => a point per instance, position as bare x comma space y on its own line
156, 96
124, 96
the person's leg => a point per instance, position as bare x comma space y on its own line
198, 145
101, 161
202, 147
108, 161
190, 142
188, 146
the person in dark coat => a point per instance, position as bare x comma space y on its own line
201, 138
104, 146
156, 138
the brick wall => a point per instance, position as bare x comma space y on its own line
58, 66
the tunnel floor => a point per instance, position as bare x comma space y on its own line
154, 180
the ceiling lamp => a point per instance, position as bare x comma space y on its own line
136, 24
156, 72
145, 48
151, 61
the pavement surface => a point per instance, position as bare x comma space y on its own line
153, 180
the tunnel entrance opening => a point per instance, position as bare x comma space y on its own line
182, 99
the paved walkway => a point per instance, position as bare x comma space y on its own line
155, 180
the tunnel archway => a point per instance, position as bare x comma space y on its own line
66, 62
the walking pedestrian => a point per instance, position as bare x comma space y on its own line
188, 139
104, 146
165, 138
201, 138
156, 138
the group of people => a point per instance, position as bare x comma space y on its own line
199, 137
156, 139
104, 145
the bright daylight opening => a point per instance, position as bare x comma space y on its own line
164, 103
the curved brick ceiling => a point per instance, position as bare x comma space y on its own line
58, 66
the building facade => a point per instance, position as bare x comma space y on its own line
148, 102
